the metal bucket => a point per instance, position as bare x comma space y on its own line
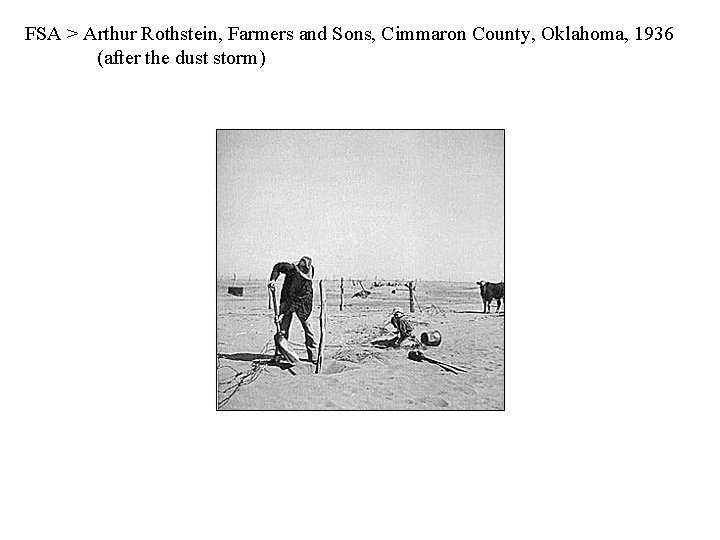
431, 339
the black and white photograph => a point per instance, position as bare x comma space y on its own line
360, 270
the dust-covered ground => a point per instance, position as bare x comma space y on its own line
355, 374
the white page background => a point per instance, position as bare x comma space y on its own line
108, 213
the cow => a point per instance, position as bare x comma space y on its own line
490, 292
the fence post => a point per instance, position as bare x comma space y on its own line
342, 292
323, 315
411, 288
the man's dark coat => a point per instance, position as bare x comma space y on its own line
297, 292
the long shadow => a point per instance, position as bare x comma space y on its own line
264, 359
392, 343
384, 343
245, 357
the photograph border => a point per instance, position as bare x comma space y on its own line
366, 129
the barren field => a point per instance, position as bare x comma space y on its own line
355, 373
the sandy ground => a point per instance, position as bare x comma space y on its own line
356, 374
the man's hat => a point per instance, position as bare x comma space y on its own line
310, 270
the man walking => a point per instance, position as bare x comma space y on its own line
296, 297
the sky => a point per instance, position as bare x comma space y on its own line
408, 204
